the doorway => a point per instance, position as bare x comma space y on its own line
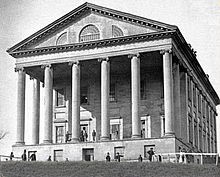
88, 154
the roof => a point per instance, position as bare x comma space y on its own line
82, 10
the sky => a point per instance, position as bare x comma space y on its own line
198, 20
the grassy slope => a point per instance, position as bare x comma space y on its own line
102, 169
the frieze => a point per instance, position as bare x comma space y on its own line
93, 44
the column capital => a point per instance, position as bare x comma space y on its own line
46, 65
103, 59
166, 51
17, 69
71, 63
134, 55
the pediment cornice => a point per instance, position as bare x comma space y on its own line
92, 44
83, 10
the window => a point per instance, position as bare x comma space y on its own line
194, 95
112, 93
190, 130
196, 133
199, 103
60, 97
89, 33
84, 95
120, 150
189, 89
59, 134
204, 142
88, 154
58, 155
146, 149
200, 137
62, 39
146, 127
143, 89
116, 31
203, 107
116, 125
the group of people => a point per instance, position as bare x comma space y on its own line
140, 158
117, 157
32, 157
83, 135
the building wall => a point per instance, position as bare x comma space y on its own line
74, 152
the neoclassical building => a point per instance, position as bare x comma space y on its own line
136, 82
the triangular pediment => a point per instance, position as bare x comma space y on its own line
103, 22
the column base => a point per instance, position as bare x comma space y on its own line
105, 138
136, 137
19, 144
169, 134
47, 142
74, 140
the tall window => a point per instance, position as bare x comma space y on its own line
112, 93
116, 129
59, 134
199, 103
194, 95
89, 33
146, 127
116, 31
196, 133
189, 88
190, 130
84, 95
60, 97
200, 137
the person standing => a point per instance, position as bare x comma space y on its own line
24, 156
118, 157
140, 159
49, 158
93, 135
150, 153
11, 156
108, 158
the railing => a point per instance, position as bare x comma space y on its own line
7, 158
183, 157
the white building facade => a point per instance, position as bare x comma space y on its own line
135, 82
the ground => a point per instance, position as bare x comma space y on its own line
103, 169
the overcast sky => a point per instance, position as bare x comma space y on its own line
198, 20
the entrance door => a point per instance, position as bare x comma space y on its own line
88, 154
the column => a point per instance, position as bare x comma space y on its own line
75, 101
135, 95
20, 106
176, 94
168, 92
105, 84
36, 111
48, 103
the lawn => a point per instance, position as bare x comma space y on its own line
103, 169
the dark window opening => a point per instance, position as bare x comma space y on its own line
60, 97
84, 95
